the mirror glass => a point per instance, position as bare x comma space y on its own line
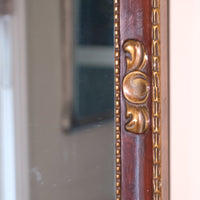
70, 99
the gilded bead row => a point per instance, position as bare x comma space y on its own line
156, 99
117, 101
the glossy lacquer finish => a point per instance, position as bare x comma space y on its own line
136, 145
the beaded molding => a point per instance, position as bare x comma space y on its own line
117, 100
156, 104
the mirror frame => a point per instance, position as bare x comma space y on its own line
141, 99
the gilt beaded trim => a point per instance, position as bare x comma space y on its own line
117, 101
156, 104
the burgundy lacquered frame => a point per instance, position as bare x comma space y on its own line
142, 160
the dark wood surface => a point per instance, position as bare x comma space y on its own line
136, 150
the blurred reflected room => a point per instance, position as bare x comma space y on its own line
56, 100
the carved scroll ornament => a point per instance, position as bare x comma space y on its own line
136, 87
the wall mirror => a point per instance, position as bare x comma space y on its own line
84, 100
56, 99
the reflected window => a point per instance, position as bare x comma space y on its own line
93, 73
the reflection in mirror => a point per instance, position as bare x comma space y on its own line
70, 99
56, 100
